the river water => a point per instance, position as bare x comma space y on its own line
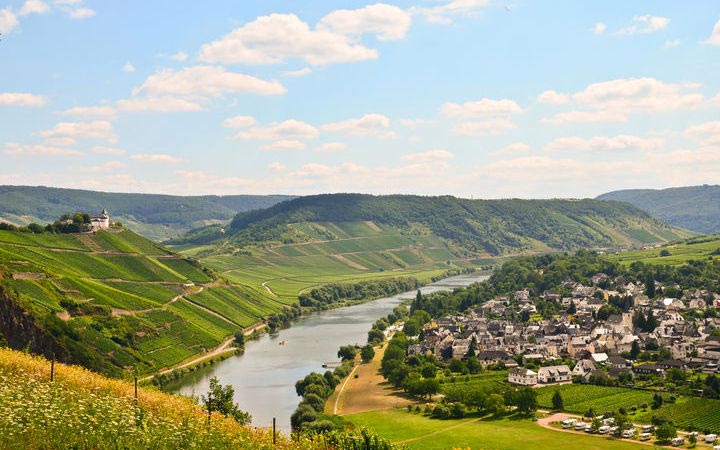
264, 376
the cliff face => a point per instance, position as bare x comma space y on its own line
21, 332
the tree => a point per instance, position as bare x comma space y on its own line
557, 401
635, 349
347, 352
367, 353
622, 422
657, 401
221, 399
572, 309
495, 404
665, 432
240, 338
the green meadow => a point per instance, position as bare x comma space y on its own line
674, 254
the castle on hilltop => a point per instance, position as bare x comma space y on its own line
101, 221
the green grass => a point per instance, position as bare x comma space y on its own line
689, 412
579, 398
680, 253
422, 433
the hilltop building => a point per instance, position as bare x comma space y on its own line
101, 221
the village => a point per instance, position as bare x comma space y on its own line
583, 343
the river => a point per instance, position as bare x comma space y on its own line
264, 376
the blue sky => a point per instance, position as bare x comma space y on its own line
477, 98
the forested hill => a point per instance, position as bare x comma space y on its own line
157, 217
695, 208
493, 227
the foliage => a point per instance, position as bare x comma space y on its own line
367, 353
221, 399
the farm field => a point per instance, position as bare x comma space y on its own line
579, 398
339, 252
419, 432
677, 253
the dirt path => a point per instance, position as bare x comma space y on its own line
264, 284
217, 351
368, 392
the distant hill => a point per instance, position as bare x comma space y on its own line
490, 227
695, 208
114, 302
157, 217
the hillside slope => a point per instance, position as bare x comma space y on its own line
494, 227
694, 208
298, 245
115, 301
157, 217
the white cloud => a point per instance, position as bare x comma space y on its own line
604, 144
99, 129
374, 125
714, 38
278, 37
553, 98
638, 95
413, 124
517, 147
33, 7
67, 2
21, 99
276, 166
481, 108
285, 144
599, 28
671, 43
585, 117
292, 130
427, 157
90, 111
8, 21
108, 151
81, 13
15, 149
205, 82
109, 166
156, 158
491, 127
444, 13
644, 25
239, 122
179, 56
331, 147
129, 68
60, 142
708, 133
388, 22
297, 73
157, 104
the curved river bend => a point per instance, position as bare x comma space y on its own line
264, 376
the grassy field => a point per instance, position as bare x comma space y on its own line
419, 432
675, 254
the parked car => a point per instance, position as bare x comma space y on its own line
603, 429
568, 423
710, 438
628, 433
678, 441
645, 436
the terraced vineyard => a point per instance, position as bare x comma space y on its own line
115, 301
674, 254
358, 251
579, 398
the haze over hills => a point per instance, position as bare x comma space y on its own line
155, 216
695, 208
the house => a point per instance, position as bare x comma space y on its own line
599, 357
554, 374
618, 362
647, 369
101, 221
522, 376
584, 368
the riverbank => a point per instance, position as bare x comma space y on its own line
264, 376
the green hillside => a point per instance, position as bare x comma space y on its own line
694, 208
157, 217
115, 301
675, 253
297, 245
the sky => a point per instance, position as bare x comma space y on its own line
472, 98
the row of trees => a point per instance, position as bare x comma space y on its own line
364, 290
